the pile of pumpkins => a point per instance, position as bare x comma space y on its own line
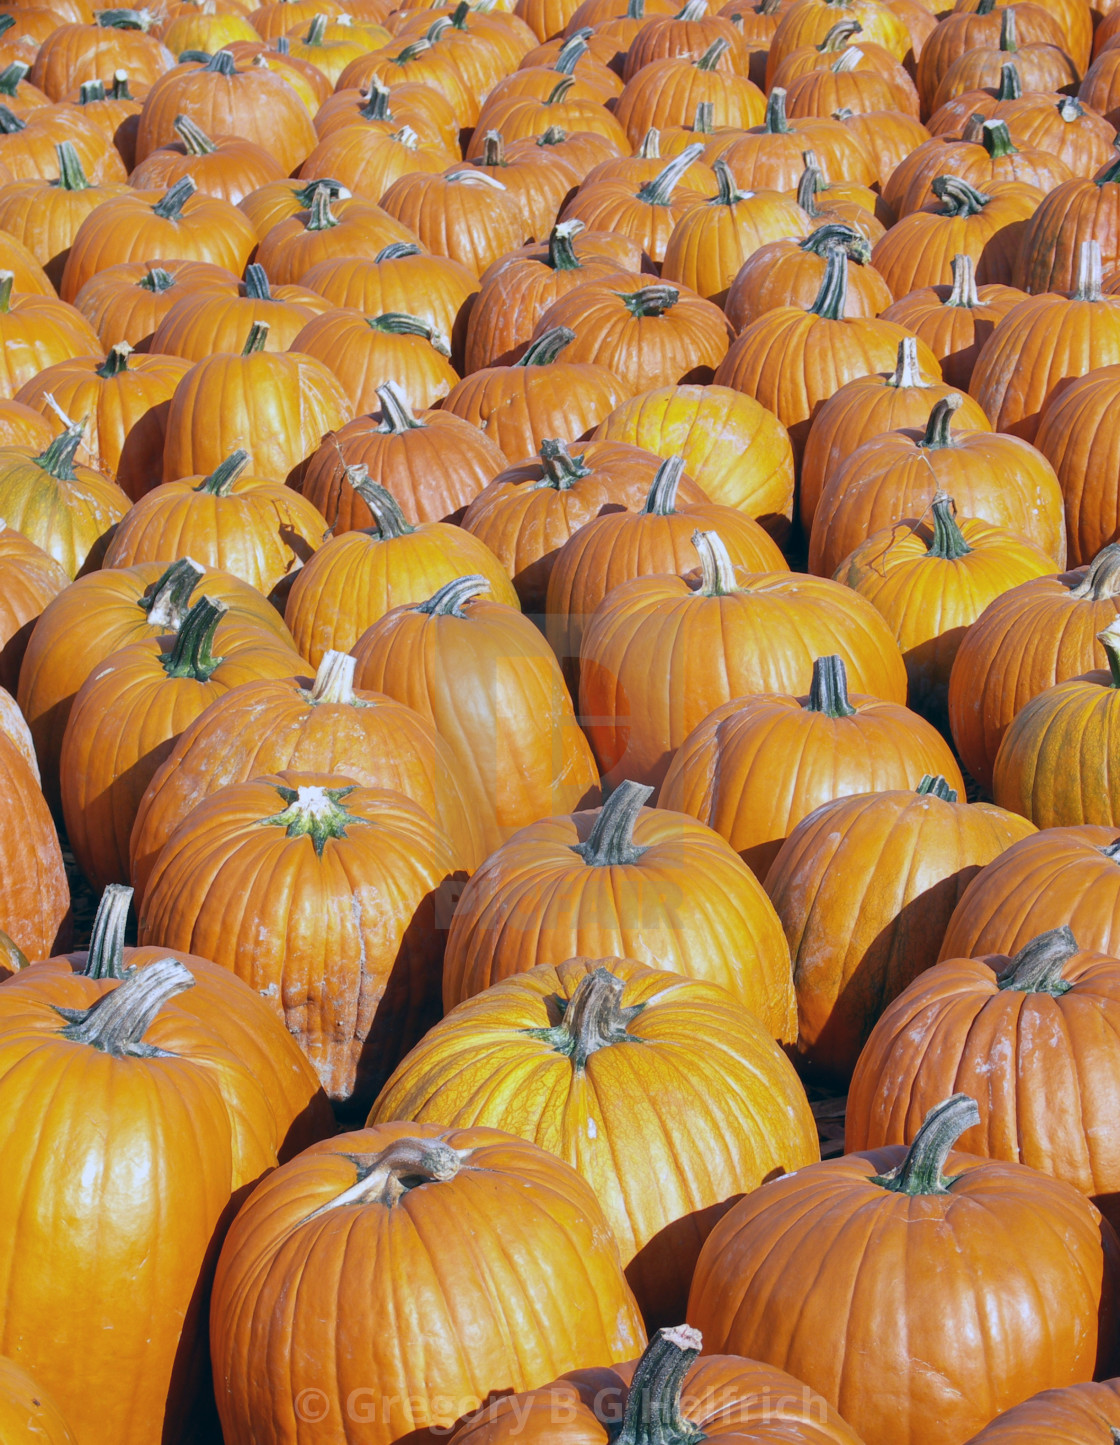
560, 585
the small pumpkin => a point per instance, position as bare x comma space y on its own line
205, 322
463, 214
127, 302
35, 332
45, 214
789, 273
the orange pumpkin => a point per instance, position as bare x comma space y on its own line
34, 892
789, 273
205, 322
29, 579
364, 352
27, 1411
228, 166
349, 228
45, 214
35, 332
127, 302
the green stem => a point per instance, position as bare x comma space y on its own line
561, 252
833, 292
714, 54
1007, 38
727, 192
828, 692
1102, 576
117, 1022
812, 181
957, 197
839, 36
1037, 967
933, 785
170, 206
593, 1019
948, 541
997, 139
704, 121
222, 63
256, 283
116, 361
571, 53
313, 812
650, 300
398, 323
322, 218
776, 122
11, 76
938, 431
661, 499
653, 1414
1070, 109
561, 470
921, 1171
560, 90
397, 251
220, 481
1109, 639
125, 20
71, 177
167, 601
835, 233
377, 106
650, 148
659, 191
10, 124
105, 958
546, 348
493, 149
1110, 173
396, 414
157, 281
452, 596
611, 840
194, 138
58, 459
192, 654
91, 90
1010, 82
316, 31
257, 338
7, 283
390, 520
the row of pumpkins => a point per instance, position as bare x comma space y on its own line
515, 529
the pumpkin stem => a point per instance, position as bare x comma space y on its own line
1102, 576
546, 348
717, 571
835, 233
493, 149
985, 7
71, 177
714, 54
334, 680
964, 291
197, 142
116, 361
256, 283
653, 1406
257, 338
220, 481
316, 31
125, 20
611, 840
957, 197
650, 300
192, 655
933, 785
920, 1172
58, 459
398, 323
157, 280
117, 1022
849, 61
776, 122
561, 253
91, 90
938, 429
834, 286
170, 206
6, 23
1070, 108
650, 148
387, 1177
1090, 273
561, 469
1110, 173
659, 191
10, 124
907, 372
554, 135
1109, 639
451, 597
635, 10
377, 106
828, 692
813, 180
661, 499
314, 812
7, 282
727, 193
1037, 967
1010, 82
167, 601
948, 540
571, 52
390, 520
105, 958
973, 131
221, 63
322, 218
592, 1019
841, 34
397, 251
396, 414
704, 121
1007, 38
996, 139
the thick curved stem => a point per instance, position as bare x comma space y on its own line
1102, 576
167, 601
828, 692
192, 655
157, 281
594, 1019
387, 1177
653, 1414
840, 36
921, 1172
105, 958
399, 323
561, 253
611, 841
571, 53
452, 596
651, 300
948, 541
933, 785
256, 283
194, 138
938, 431
957, 197
334, 679
547, 347
834, 286
396, 414
116, 362
58, 459
321, 217
717, 571
661, 499
170, 205
391, 521
561, 470
714, 54
836, 233
117, 1022
220, 481
1037, 967
397, 251
659, 191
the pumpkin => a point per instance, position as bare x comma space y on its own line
865, 887
159, 1212
656, 538
667, 92
1076, 19
358, 576
123, 401
930, 580
327, 228
781, 1278
66, 509
769, 156
963, 30
433, 465
179, 223
197, 26
568, 106
1063, 127
101, 613
568, 1029
427, 1199
985, 1026
789, 272
808, 22
647, 162
1075, 212
205, 322
368, 164
646, 212
34, 893
757, 765
738, 627
29, 579
128, 301
519, 748
887, 136
1073, 427
363, 352
538, 179
517, 290
955, 321
221, 97
999, 479
45, 214
844, 203
227, 167
688, 33
865, 408
538, 396
327, 727
331, 44
463, 214
1099, 87
625, 881
792, 360
35, 332
420, 61
1042, 344
73, 53
1056, 877
383, 112
126, 717
1041, 66
111, 106
20, 425
853, 81
277, 407
29, 145
1078, 1412
27, 1413
991, 157
15, 729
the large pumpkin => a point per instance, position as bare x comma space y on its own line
624, 881
477, 1221
789, 1277
547, 1055
865, 887
34, 891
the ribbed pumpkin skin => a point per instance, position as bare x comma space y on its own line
865, 888
36, 332
819, 1274
955, 334
355, 579
755, 767
1076, 211
68, 519
97, 616
1060, 876
1043, 1068
29, 579
782, 274
1077, 436
531, 1218
27, 1415
688, 904
201, 325
121, 307
1077, 1415
34, 892
610, 1118
489, 683
280, 726
1037, 634
355, 974
362, 358
657, 656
